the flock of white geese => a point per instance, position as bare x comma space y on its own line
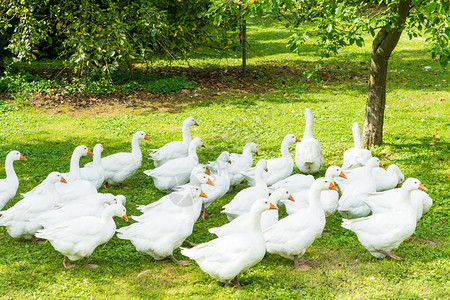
67, 210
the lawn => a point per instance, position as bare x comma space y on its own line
262, 106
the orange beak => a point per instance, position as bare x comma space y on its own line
209, 182
125, 217
104, 149
22, 157
291, 198
398, 185
89, 152
422, 187
203, 194
207, 172
196, 124
203, 145
256, 153
381, 165
146, 138
273, 206
333, 187
297, 140
62, 180
343, 175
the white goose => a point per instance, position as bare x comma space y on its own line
160, 232
76, 187
351, 204
292, 235
174, 149
176, 171
221, 181
95, 174
243, 200
78, 238
293, 183
241, 162
329, 199
9, 185
21, 219
385, 201
384, 231
277, 168
268, 218
121, 166
179, 197
90, 205
224, 258
384, 179
308, 153
357, 156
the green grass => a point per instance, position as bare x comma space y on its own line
417, 109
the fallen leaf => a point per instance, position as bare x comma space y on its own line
436, 136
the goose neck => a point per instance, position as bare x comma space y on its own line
193, 151
308, 128
314, 198
135, 149
186, 130
75, 167
97, 159
259, 177
9, 169
285, 150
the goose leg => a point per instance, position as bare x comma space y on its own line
203, 213
91, 266
123, 187
66, 264
227, 283
302, 264
180, 262
36, 240
387, 253
190, 243
236, 282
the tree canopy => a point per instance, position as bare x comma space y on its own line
98, 34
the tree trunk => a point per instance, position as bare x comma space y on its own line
382, 47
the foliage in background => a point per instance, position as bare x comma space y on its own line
98, 35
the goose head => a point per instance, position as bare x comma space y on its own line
262, 205
197, 142
335, 171
121, 199
291, 138
15, 155
200, 169
224, 157
107, 198
262, 164
140, 135
200, 178
323, 184
252, 147
395, 170
190, 122
413, 184
373, 162
55, 177
98, 148
280, 194
119, 211
82, 150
